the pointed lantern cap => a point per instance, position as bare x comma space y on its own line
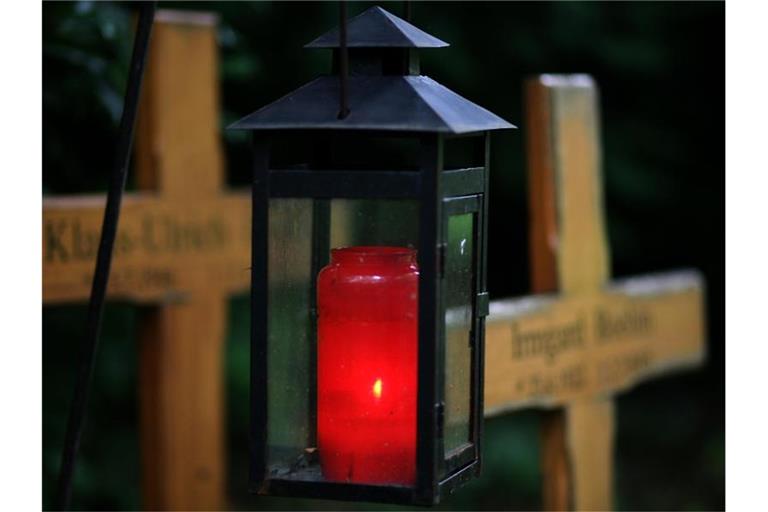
377, 28
403, 103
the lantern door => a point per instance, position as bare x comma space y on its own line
460, 255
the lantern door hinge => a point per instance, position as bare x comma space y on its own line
441, 249
440, 413
483, 304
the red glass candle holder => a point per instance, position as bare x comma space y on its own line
367, 365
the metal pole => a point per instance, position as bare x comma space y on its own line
79, 403
343, 62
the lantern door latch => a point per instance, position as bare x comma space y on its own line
482, 304
440, 413
441, 250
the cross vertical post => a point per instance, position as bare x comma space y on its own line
569, 254
181, 344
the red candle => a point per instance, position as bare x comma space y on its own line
367, 352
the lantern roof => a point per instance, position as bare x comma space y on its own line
388, 103
377, 100
377, 28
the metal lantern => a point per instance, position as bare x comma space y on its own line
370, 200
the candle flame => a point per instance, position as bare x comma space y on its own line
377, 388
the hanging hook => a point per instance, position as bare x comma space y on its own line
343, 62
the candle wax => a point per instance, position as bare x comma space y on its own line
367, 353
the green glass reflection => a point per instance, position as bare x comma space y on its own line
459, 260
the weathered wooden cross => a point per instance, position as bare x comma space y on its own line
183, 246
571, 352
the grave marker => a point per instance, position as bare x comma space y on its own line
183, 246
571, 352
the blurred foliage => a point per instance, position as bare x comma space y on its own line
660, 67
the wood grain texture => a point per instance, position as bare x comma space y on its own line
542, 208
543, 245
181, 396
567, 143
583, 266
165, 248
178, 144
555, 460
179, 158
590, 436
548, 351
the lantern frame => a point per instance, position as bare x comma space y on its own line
376, 92
441, 193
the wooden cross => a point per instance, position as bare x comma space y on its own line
183, 246
571, 352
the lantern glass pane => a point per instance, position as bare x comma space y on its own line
290, 334
343, 340
392, 222
459, 287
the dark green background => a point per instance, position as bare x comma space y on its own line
661, 70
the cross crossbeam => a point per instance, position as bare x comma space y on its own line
546, 350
